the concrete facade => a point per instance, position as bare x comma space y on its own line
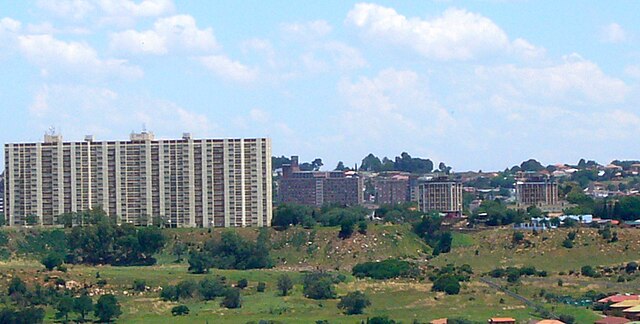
187, 182
441, 195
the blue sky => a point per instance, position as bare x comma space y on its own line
476, 84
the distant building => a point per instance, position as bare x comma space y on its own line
185, 182
317, 188
442, 195
536, 190
392, 190
2, 193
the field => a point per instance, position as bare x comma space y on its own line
298, 250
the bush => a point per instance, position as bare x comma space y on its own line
186, 289
180, 310
107, 308
169, 293
380, 320
568, 319
517, 237
346, 228
354, 303
386, 269
210, 289
231, 299
139, 285
447, 284
567, 243
51, 260
261, 287
242, 283
362, 227
318, 286
588, 271
284, 284
631, 267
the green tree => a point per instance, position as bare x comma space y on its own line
346, 228
199, 262
179, 249
284, 284
210, 288
242, 283
354, 303
371, 163
231, 299
186, 289
64, 307
83, 305
448, 284
139, 285
261, 287
318, 285
340, 166
362, 227
107, 308
51, 260
16, 286
180, 310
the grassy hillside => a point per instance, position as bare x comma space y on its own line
300, 249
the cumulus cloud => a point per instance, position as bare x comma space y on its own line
229, 69
455, 35
613, 33
575, 81
176, 33
633, 71
51, 53
307, 30
80, 9
109, 114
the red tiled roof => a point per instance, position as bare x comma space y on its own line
612, 320
618, 298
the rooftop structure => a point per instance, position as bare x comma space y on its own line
186, 182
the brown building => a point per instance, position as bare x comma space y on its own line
316, 188
442, 195
392, 190
536, 190
187, 182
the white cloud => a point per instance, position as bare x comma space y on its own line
54, 54
8, 25
176, 33
633, 71
574, 81
79, 110
456, 35
229, 69
80, 9
307, 30
613, 33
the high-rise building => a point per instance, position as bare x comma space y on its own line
442, 195
316, 188
186, 182
392, 190
536, 190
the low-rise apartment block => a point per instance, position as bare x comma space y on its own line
536, 190
441, 194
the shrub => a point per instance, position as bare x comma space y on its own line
261, 287
284, 284
568, 319
180, 310
354, 303
210, 289
242, 283
139, 285
51, 260
169, 293
186, 288
518, 237
362, 227
567, 243
387, 269
231, 299
447, 284
107, 308
631, 267
588, 271
318, 285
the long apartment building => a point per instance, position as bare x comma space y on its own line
186, 182
442, 195
536, 190
317, 188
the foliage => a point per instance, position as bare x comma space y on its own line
380, 320
200, 262
284, 284
387, 269
318, 285
631, 267
354, 303
448, 284
231, 299
242, 283
83, 305
291, 215
362, 227
211, 288
429, 228
139, 285
107, 308
346, 228
179, 249
64, 307
180, 310
498, 214
261, 287
30, 315
51, 260
588, 271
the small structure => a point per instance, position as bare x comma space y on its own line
618, 298
535, 224
502, 320
612, 320
549, 321
439, 321
582, 219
